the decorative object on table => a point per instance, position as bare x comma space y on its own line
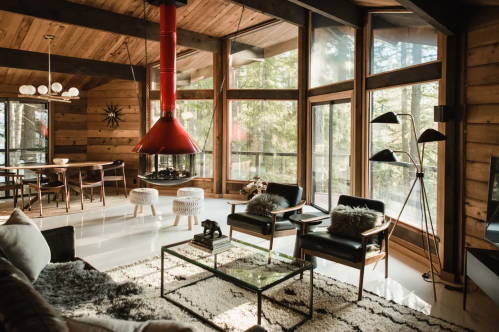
50, 93
211, 226
387, 155
345, 250
143, 196
117, 165
188, 206
112, 115
264, 204
60, 161
268, 228
252, 188
190, 192
351, 222
211, 245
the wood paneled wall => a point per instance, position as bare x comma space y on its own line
106, 143
482, 119
69, 129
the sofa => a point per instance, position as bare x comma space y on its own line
23, 309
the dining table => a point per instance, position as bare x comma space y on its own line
37, 166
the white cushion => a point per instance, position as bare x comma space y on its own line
188, 206
190, 192
24, 245
143, 196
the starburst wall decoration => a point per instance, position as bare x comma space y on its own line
112, 115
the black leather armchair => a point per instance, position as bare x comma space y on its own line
268, 228
346, 251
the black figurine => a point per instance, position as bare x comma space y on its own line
212, 227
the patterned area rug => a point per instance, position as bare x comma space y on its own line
133, 292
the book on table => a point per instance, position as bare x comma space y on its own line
216, 242
210, 250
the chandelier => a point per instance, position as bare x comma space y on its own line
52, 92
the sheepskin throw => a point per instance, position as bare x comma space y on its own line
352, 221
263, 204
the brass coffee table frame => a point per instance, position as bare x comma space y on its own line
238, 283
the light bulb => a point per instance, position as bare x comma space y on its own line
74, 92
31, 90
57, 87
22, 89
42, 89
66, 94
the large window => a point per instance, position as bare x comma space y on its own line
263, 140
332, 52
391, 182
266, 59
401, 40
195, 116
331, 146
194, 71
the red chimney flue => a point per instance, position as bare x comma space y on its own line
167, 136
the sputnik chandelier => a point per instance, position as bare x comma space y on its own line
52, 92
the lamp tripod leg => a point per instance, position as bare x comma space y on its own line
431, 223
428, 243
400, 214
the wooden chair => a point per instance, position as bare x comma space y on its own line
12, 184
88, 181
346, 251
268, 228
55, 185
117, 165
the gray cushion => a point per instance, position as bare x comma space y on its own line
263, 204
24, 245
94, 324
350, 221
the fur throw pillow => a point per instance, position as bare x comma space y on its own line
263, 204
352, 221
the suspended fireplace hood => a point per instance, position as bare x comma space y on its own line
167, 136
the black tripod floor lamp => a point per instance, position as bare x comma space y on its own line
387, 155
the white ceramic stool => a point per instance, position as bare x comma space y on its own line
190, 192
188, 206
143, 196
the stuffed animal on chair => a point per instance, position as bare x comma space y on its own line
212, 227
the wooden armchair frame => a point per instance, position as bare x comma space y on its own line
117, 165
274, 233
376, 257
14, 186
53, 186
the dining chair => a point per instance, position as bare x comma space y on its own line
12, 184
88, 180
356, 253
57, 183
272, 227
116, 166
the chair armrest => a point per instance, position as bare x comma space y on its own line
289, 209
61, 242
376, 230
315, 218
238, 203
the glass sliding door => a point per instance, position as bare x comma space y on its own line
331, 145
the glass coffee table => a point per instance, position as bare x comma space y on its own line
244, 265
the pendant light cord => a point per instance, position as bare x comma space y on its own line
232, 42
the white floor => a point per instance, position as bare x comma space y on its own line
112, 237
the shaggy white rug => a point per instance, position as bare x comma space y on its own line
133, 292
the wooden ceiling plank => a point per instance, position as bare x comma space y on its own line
94, 18
60, 64
283, 10
343, 11
441, 14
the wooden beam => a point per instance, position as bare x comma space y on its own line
441, 14
331, 88
343, 11
67, 65
282, 10
104, 20
255, 94
427, 72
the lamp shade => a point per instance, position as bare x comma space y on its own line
388, 117
386, 156
431, 135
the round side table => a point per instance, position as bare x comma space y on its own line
296, 221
